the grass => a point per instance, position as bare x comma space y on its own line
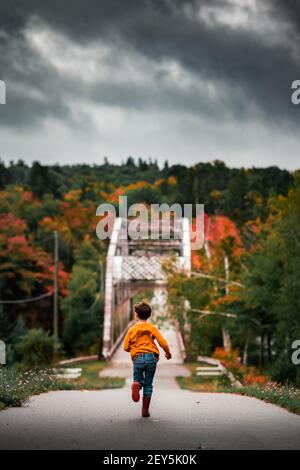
16, 387
285, 396
202, 384
209, 385
90, 379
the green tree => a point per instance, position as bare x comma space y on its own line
262, 281
83, 307
288, 306
36, 348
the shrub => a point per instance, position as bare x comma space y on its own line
252, 379
36, 349
231, 357
283, 371
247, 375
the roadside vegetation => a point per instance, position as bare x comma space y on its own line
90, 379
285, 396
255, 386
18, 386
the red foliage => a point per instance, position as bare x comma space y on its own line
25, 269
12, 225
220, 228
253, 379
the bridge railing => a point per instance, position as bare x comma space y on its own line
120, 275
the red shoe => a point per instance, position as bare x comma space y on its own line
135, 391
145, 408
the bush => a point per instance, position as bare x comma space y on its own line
36, 349
252, 378
232, 357
283, 370
82, 332
247, 375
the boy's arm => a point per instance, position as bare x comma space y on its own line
126, 345
162, 342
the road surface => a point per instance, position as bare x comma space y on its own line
179, 419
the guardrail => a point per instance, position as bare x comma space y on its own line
217, 369
78, 360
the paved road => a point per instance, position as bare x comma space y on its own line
179, 419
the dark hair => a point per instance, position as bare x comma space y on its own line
143, 310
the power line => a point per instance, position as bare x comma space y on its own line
215, 278
23, 301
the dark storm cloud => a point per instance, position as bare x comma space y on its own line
255, 71
291, 8
31, 84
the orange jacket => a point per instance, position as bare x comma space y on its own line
140, 339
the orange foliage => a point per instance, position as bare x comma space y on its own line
253, 379
74, 220
158, 182
224, 300
228, 358
73, 196
196, 260
172, 180
231, 360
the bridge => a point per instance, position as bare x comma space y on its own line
134, 265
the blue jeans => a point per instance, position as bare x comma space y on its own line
144, 367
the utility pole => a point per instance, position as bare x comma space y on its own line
55, 289
226, 335
101, 277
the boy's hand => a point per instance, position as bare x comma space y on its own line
168, 355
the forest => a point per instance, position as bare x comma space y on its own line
252, 228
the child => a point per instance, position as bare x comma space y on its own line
139, 341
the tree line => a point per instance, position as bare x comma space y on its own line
252, 239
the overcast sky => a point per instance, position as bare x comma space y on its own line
186, 81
